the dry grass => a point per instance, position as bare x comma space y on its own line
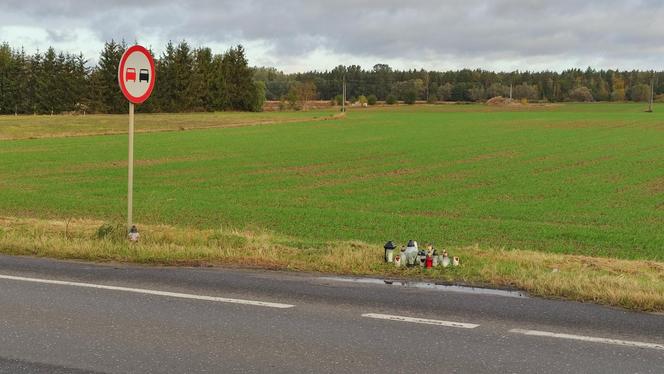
637, 285
64, 126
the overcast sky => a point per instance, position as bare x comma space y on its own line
294, 35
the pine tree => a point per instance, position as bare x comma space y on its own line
238, 78
46, 92
23, 102
164, 91
218, 92
182, 69
105, 93
201, 82
79, 82
7, 82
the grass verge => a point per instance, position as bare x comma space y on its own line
632, 284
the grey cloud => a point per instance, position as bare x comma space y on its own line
421, 31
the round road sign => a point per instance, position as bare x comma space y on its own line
136, 74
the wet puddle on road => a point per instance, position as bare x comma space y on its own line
431, 286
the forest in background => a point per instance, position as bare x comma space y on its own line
195, 79
187, 79
385, 83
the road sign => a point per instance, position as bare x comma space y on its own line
136, 74
136, 88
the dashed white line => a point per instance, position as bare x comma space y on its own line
388, 317
592, 339
420, 320
150, 292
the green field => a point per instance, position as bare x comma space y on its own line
585, 179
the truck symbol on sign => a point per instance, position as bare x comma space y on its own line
130, 75
144, 75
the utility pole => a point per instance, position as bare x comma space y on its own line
652, 92
510, 91
427, 85
343, 99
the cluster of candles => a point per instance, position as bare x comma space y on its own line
133, 234
411, 255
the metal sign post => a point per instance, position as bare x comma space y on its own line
130, 166
136, 76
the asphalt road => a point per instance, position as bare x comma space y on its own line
68, 317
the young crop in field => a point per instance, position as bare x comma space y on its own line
584, 179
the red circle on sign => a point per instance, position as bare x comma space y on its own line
122, 74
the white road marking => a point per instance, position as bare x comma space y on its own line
592, 339
421, 320
149, 292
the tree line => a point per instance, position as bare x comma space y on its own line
196, 79
385, 83
188, 80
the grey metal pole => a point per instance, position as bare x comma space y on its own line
130, 163
652, 93
427, 87
343, 100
